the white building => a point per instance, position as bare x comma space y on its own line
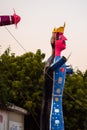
12, 118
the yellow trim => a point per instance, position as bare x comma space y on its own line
60, 29
54, 30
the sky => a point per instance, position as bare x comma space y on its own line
38, 18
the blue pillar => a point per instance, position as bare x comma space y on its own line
56, 115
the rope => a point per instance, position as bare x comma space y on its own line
15, 39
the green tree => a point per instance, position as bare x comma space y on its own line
21, 83
4, 87
75, 101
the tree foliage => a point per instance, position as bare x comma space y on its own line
75, 101
21, 79
21, 83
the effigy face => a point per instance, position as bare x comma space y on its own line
60, 43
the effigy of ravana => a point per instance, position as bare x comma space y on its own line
52, 112
59, 73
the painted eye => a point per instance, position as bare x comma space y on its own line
59, 37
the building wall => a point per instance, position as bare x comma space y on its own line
16, 121
11, 120
3, 120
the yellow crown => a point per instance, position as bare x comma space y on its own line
54, 30
60, 29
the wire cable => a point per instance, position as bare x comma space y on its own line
15, 39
